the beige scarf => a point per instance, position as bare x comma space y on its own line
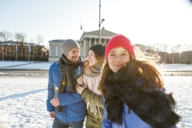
93, 72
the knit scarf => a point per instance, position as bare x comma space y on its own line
151, 106
66, 68
93, 70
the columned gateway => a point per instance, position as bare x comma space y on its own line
90, 38
87, 40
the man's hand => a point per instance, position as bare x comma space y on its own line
80, 89
55, 102
52, 114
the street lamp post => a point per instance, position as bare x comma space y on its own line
29, 52
100, 21
2, 52
16, 49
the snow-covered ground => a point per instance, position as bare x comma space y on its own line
22, 101
22, 98
45, 66
182, 92
174, 67
25, 65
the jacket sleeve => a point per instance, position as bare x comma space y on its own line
92, 98
106, 123
69, 98
50, 92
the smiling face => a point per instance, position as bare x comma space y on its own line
73, 55
91, 58
117, 58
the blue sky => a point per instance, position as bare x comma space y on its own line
143, 21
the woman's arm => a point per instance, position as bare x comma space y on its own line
92, 98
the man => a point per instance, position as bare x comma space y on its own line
65, 105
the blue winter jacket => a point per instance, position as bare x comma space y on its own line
130, 120
74, 107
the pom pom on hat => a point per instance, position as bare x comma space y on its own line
98, 49
119, 41
68, 45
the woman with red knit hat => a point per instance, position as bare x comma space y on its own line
133, 90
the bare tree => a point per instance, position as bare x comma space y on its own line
163, 47
20, 37
186, 47
187, 53
31, 40
157, 47
5, 35
175, 49
172, 49
39, 39
150, 48
178, 47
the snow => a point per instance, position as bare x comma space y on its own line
174, 67
182, 92
46, 65
23, 98
22, 101
25, 65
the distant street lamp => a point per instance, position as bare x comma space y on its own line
100, 21
29, 52
16, 49
2, 52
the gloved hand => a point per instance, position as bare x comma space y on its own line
80, 80
81, 88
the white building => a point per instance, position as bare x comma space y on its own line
90, 38
87, 40
54, 50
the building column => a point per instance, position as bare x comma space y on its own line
105, 41
84, 47
50, 50
89, 44
95, 41
56, 49
81, 48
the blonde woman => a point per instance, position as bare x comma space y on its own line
89, 89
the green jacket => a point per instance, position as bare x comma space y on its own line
95, 109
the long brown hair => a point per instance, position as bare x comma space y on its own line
100, 61
149, 72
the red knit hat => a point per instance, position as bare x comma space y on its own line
119, 41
